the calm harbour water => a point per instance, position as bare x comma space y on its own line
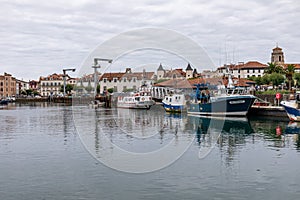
42, 156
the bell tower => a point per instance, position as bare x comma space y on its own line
277, 56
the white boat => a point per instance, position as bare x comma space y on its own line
292, 107
139, 100
174, 103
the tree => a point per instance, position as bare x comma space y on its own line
88, 88
258, 80
297, 78
98, 89
69, 88
289, 72
265, 79
35, 93
110, 90
276, 78
273, 68
29, 92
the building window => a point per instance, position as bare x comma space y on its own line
259, 71
115, 89
115, 80
104, 80
124, 79
247, 70
134, 79
279, 58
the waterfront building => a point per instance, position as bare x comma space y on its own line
34, 85
7, 85
209, 74
244, 70
176, 73
125, 81
21, 86
52, 84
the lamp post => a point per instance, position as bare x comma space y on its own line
64, 77
97, 65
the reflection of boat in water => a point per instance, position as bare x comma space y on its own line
223, 105
139, 100
229, 125
174, 103
293, 128
96, 104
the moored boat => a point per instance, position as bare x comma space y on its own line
223, 105
292, 109
174, 103
139, 100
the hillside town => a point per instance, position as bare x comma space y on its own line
259, 76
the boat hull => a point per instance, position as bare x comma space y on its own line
174, 103
174, 108
291, 110
136, 105
224, 106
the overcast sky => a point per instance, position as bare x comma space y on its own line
39, 38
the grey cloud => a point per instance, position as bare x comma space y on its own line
43, 37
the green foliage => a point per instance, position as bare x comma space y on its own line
265, 79
276, 78
29, 92
110, 90
35, 93
297, 78
258, 80
273, 68
69, 88
273, 92
98, 89
23, 92
89, 88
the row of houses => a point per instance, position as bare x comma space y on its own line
130, 80
255, 68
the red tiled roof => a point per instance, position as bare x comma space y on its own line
175, 83
297, 65
53, 77
248, 65
110, 76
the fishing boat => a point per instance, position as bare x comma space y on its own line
219, 105
138, 100
174, 103
292, 108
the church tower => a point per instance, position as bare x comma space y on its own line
277, 56
160, 72
189, 72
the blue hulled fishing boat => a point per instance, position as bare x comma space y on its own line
223, 105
